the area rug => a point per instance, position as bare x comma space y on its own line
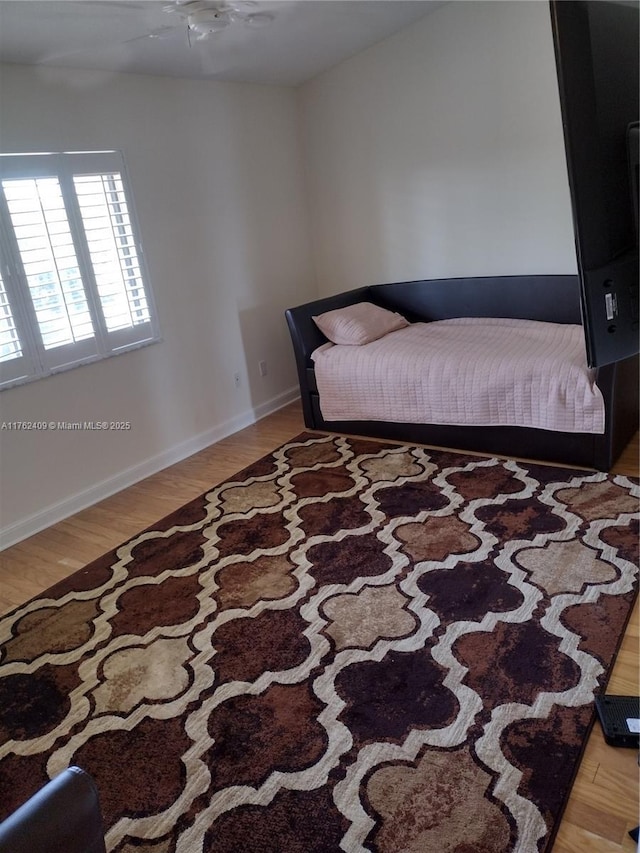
350, 646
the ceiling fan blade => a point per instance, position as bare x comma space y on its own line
242, 6
187, 7
159, 33
259, 19
117, 4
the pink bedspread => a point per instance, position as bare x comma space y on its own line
468, 371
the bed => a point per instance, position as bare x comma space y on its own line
540, 314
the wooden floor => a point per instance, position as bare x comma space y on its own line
604, 802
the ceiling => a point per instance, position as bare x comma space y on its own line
304, 37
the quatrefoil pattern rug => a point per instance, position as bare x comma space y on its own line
350, 646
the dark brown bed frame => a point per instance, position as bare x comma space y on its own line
551, 298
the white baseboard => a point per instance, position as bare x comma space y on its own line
54, 513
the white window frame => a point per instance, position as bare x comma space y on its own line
36, 361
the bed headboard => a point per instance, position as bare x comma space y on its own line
551, 298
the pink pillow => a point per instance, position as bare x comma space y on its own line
358, 324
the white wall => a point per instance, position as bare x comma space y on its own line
439, 152
217, 180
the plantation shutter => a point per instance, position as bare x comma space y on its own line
76, 287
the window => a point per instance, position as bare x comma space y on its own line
73, 284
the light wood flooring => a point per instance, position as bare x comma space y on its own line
604, 800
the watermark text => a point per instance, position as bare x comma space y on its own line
65, 426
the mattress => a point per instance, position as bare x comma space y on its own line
468, 371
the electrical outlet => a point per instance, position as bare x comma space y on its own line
262, 365
236, 379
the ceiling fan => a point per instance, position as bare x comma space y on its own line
203, 18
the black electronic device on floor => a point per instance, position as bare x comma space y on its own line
620, 719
